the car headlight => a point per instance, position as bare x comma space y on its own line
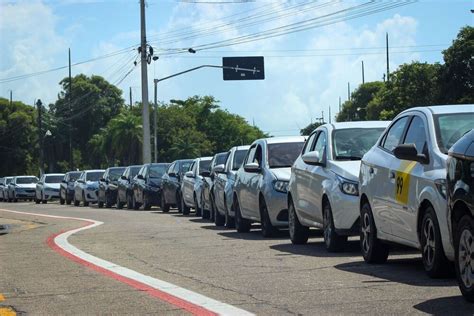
347, 186
281, 186
441, 186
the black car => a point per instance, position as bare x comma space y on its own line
171, 193
125, 186
66, 188
147, 187
207, 199
108, 185
460, 192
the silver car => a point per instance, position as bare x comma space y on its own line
47, 187
403, 185
4, 188
192, 184
2, 185
224, 185
86, 187
323, 189
22, 188
262, 182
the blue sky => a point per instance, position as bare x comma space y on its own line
35, 36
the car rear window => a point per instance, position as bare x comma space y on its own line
73, 176
158, 171
53, 179
93, 176
283, 155
26, 180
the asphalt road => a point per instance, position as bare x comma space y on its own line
261, 276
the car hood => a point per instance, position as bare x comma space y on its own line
52, 185
282, 174
92, 183
346, 169
27, 186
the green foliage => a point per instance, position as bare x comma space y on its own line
356, 108
310, 128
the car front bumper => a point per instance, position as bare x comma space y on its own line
25, 193
277, 207
345, 212
91, 195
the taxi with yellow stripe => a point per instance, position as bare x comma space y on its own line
403, 185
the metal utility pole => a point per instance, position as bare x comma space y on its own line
146, 150
131, 104
71, 159
340, 108
40, 136
155, 133
329, 114
11, 97
349, 91
388, 63
363, 77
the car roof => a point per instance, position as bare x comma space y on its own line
159, 164
443, 109
204, 158
94, 170
25, 177
113, 168
245, 147
284, 139
183, 160
221, 154
135, 166
54, 174
358, 124
74, 172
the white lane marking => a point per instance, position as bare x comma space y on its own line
187, 295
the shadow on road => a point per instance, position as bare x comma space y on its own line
453, 305
318, 249
255, 234
408, 271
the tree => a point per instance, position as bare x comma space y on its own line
356, 108
310, 128
18, 140
457, 78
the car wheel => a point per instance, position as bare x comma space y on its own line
184, 208
61, 201
165, 208
118, 203
435, 262
299, 234
146, 203
178, 202
229, 222
84, 201
76, 202
219, 219
373, 250
199, 211
37, 201
129, 202
332, 240
464, 260
136, 206
108, 202
268, 230
68, 201
241, 224
100, 204
212, 211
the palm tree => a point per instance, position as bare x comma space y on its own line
125, 134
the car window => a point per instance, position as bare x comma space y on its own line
8, 181
134, 171
353, 143
309, 143
283, 155
258, 157
451, 127
416, 133
94, 176
251, 154
185, 166
157, 171
320, 144
53, 179
204, 165
221, 159
394, 134
26, 180
73, 176
239, 156
114, 174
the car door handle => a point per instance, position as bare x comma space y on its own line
391, 175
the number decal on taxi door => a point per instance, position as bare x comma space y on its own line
402, 182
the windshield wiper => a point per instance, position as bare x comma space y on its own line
348, 158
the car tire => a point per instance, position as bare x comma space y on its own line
373, 250
434, 260
184, 208
229, 222
199, 211
76, 202
268, 230
61, 201
68, 201
84, 201
178, 202
241, 224
100, 204
165, 208
37, 201
212, 211
299, 233
119, 204
146, 203
135, 204
333, 241
219, 220
44, 201
129, 202
108, 202
463, 243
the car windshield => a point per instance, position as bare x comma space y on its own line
114, 174
134, 171
451, 127
158, 171
283, 155
239, 157
353, 143
53, 179
26, 180
94, 176
204, 165
73, 176
7, 181
185, 166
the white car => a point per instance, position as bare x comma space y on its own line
403, 185
4, 188
86, 187
22, 188
324, 184
48, 187
261, 184
192, 184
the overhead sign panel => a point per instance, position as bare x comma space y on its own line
243, 68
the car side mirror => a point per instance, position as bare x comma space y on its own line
312, 158
409, 152
140, 177
189, 174
63, 181
102, 180
252, 167
205, 173
219, 169
172, 174
123, 177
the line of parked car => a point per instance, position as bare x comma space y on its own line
408, 182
